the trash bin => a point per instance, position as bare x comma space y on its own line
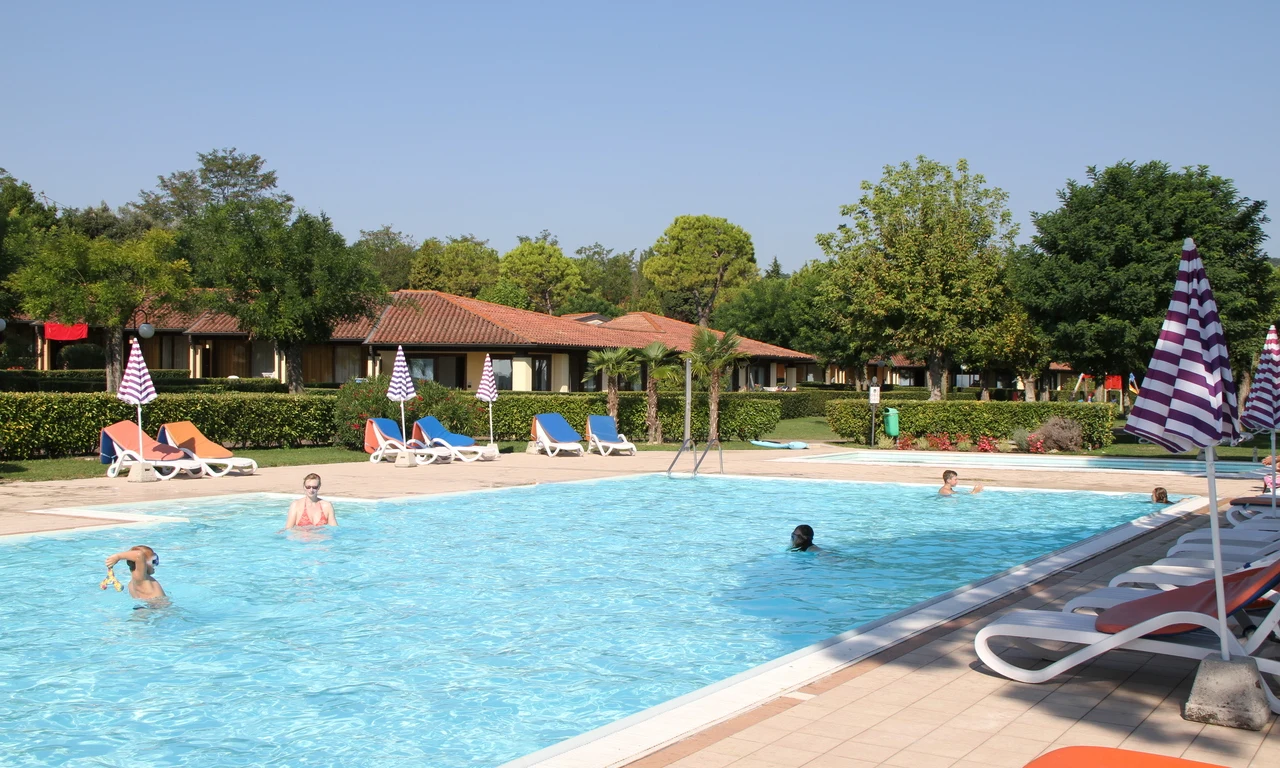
891, 422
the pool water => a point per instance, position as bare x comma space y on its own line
1037, 461
469, 629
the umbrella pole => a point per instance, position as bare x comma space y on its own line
403, 434
1219, 590
1273, 435
1273, 471
141, 451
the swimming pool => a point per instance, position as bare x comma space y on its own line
470, 629
952, 459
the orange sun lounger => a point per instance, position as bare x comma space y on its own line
119, 447
1111, 757
217, 460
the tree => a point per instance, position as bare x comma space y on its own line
822, 328
102, 221
712, 355
506, 293
1100, 275
610, 365
72, 278
606, 274
391, 254
763, 310
590, 302
774, 272
224, 176
289, 282
698, 257
661, 364
1011, 341
542, 270
463, 265
918, 263
22, 219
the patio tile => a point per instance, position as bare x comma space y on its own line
911, 759
1090, 734
1017, 745
875, 753
704, 760
947, 741
734, 747
996, 758
833, 730
835, 761
762, 733
809, 742
785, 757
881, 738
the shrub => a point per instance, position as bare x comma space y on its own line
1020, 437
95, 380
940, 442
851, 418
1060, 434
59, 424
885, 442
986, 444
922, 443
356, 402
906, 443
964, 445
1035, 444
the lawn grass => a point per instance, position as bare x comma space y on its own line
77, 467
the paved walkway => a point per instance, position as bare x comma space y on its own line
924, 703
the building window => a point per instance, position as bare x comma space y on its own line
541, 374
502, 372
422, 368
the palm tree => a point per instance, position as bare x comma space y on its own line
712, 355
662, 364
612, 364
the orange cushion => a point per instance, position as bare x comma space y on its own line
1110, 757
184, 434
125, 435
1240, 588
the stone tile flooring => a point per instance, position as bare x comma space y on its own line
929, 702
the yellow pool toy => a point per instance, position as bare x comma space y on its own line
111, 580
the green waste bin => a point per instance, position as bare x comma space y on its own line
891, 422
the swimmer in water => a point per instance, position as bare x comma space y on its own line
310, 510
1160, 496
802, 540
142, 562
949, 480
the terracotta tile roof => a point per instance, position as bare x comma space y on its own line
1060, 367
163, 318
678, 334
210, 322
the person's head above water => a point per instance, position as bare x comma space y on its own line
149, 558
311, 485
950, 477
802, 538
1160, 495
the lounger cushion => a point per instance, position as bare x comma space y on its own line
125, 434
1111, 757
184, 434
557, 429
1240, 589
429, 428
603, 428
388, 429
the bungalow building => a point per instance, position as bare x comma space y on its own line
445, 339
902, 371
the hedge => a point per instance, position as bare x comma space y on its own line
850, 418
40, 424
165, 380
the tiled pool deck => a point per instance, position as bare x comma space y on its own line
924, 702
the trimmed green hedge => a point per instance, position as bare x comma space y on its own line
165, 380
39, 424
796, 405
851, 418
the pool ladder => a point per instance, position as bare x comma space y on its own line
693, 449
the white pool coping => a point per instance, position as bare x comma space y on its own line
648, 731
1024, 462
632, 737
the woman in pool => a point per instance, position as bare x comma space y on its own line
802, 540
142, 562
310, 510
1160, 495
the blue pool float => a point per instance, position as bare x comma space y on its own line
794, 445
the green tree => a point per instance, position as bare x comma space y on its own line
1100, 275
506, 293
72, 278
822, 328
590, 302
611, 365
698, 257
23, 218
607, 274
918, 264
289, 282
1011, 340
661, 364
774, 272
712, 355
102, 221
541, 269
763, 310
391, 253
463, 265
224, 176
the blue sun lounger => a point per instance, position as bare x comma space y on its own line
429, 432
382, 440
602, 434
552, 434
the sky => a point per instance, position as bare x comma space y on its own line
602, 122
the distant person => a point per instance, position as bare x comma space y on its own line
1267, 460
142, 562
1160, 495
802, 540
949, 480
310, 511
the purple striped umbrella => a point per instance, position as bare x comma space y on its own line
487, 392
1188, 398
401, 386
1262, 411
136, 387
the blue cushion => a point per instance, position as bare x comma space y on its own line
557, 428
604, 428
389, 429
434, 430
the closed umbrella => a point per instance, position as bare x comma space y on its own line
1262, 412
1188, 398
487, 392
401, 387
136, 387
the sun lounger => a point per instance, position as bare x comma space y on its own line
217, 460
428, 432
383, 441
602, 434
553, 435
1251, 508
1111, 757
118, 447
1179, 622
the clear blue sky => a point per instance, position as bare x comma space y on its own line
602, 121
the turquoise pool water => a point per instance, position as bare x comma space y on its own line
952, 459
469, 629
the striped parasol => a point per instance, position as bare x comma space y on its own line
401, 387
136, 387
1188, 398
487, 392
1262, 412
